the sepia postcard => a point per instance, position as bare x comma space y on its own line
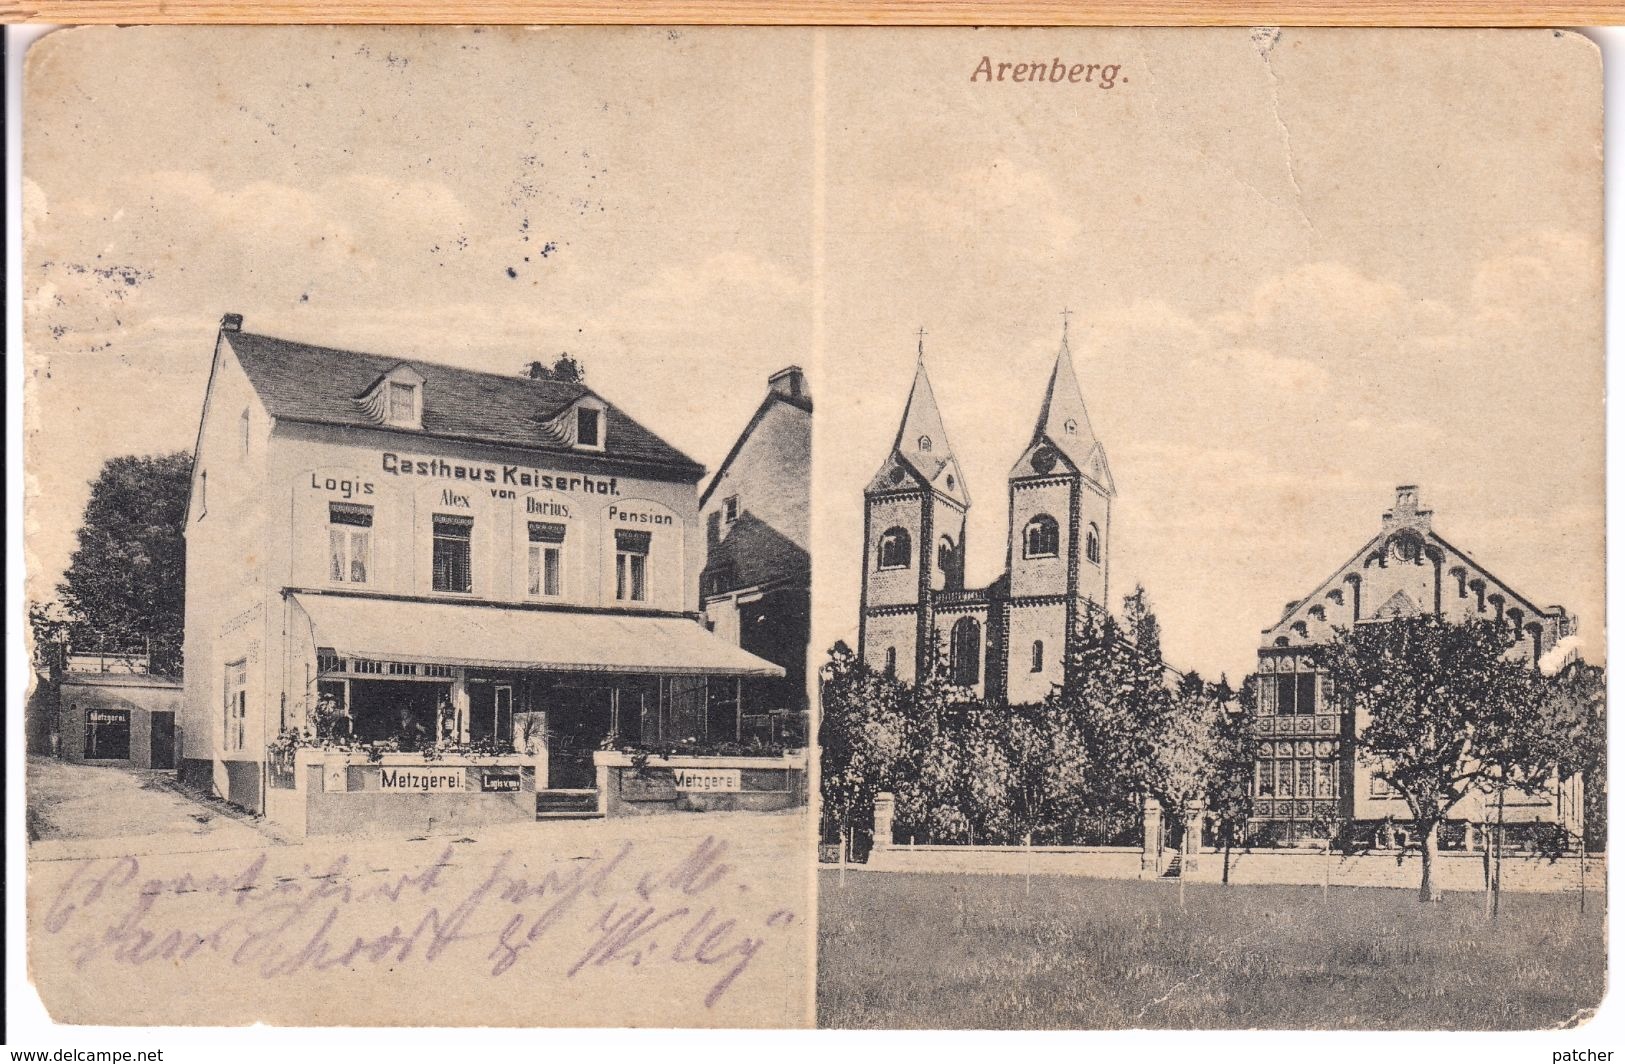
1200, 624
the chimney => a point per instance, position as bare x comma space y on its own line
231, 323
789, 382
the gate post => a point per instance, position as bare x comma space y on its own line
1192, 845
885, 808
1150, 839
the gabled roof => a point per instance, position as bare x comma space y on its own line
1414, 523
305, 383
803, 403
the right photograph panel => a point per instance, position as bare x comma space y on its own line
1209, 605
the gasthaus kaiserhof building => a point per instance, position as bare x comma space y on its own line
419, 595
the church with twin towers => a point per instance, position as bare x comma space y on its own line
1005, 641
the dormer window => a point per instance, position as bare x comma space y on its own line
582, 425
925, 443
403, 403
589, 428
395, 399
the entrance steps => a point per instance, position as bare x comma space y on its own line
567, 805
1174, 866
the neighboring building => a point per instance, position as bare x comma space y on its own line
503, 568
1007, 640
756, 588
117, 717
1307, 768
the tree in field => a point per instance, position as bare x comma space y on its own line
862, 734
125, 588
1441, 709
1577, 705
1235, 751
1108, 714
1182, 759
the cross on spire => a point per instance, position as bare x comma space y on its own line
1065, 321
922, 335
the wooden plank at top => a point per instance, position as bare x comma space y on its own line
829, 12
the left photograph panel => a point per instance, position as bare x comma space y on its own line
417, 454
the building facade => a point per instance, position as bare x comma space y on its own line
117, 717
407, 556
756, 586
1005, 640
1308, 770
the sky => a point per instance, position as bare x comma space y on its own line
1302, 267
477, 197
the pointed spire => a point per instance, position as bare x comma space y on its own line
921, 444
922, 440
1063, 419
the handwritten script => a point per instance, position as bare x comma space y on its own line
460, 911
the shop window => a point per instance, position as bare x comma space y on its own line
589, 428
453, 562
234, 717
107, 734
1042, 537
546, 559
349, 538
1091, 545
631, 565
895, 549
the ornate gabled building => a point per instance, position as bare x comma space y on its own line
1307, 768
1006, 640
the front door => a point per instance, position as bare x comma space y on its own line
163, 740
578, 721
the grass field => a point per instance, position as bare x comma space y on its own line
900, 950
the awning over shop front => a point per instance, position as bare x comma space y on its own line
494, 637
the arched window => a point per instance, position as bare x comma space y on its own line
925, 443
895, 549
891, 661
1091, 544
1042, 538
1038, 655
945, 554
965, 652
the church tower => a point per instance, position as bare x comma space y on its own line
1061, 495
914, 538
